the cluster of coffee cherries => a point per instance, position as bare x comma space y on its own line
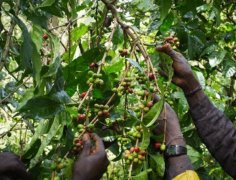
113, 173
136, 132
141, 78
95, 78
125, 87
110, 121
123, 140
172, 40
102, 110
135, 155
86, 128
145, 106
78, 145
81, 118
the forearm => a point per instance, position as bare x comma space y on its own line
216, 130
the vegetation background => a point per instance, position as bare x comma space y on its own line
49, 48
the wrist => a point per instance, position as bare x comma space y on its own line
176, 140
190, 85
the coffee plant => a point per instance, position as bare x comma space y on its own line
70, 67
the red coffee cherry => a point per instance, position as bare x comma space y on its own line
82, 95
157, 145
151, 76
45, 36
81, 117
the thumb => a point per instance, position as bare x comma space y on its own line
86, 145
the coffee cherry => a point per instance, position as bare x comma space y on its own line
60, 166
150, 104
130, 90
106, 113
157, 145
163, 147
130, 157
90, 126
151, 76
140, 157
81, 117
82, 95
131, 149
146, 109
80, 126
45, 36
93, 65
136, 149
124, 52
135, 160
142, 153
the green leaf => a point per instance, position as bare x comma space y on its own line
150, 118
114, 67
143, 5
167, 23
194, 156
61, 97
41, 129
195, 46
216, 57
160, 164
145, 138
200, 78
118, 36
53, 68
57, 125
47, 3
142, 175
41, 107
135, 64
166, 65
78, 32
165, 6
26, 48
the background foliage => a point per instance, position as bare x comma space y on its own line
47, 48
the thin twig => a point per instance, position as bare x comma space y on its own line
134, 36
9, 35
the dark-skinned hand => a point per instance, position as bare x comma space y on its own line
183, 75
11, 167
92, 162
173, 131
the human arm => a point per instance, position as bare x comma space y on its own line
11, 167
176, 165
216, 130
92, 162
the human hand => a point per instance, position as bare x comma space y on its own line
92, 162
12, 167
183, 75
173, 132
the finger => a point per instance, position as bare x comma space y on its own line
156, 98
167, 49
99, 146
87, 145
177, 81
